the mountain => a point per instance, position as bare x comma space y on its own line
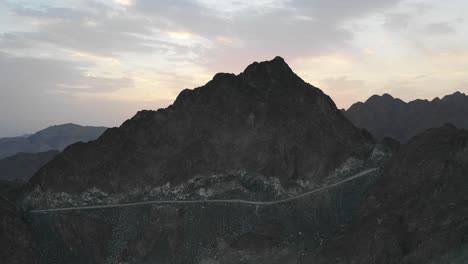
258, 167
51, 138
264, 121
23, 166
250, 168
416, 212
385, 116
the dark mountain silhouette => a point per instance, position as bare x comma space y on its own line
52, 138
265, 120
262, 135
23, 166
417, 211
385, 116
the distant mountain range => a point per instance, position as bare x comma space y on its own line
52, 138
21, 157
386, 116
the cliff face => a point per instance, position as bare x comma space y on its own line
417, 211
265, 121
385, 116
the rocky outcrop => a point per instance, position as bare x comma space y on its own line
385, 116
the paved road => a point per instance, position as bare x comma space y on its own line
237, 201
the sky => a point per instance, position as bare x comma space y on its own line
97, 62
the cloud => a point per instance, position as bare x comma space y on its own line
43, 11
397, 21
15, 42
291, 29
439, 28
182, 15
36, 75
36, 93
339, 11
96, 28
92, 84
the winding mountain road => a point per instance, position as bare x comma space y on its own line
226, 201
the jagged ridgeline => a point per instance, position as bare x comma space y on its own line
385, 116
241, 141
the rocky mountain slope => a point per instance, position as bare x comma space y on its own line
23, 166
417, 211
51, 138
265, 121
385, 116
262, 135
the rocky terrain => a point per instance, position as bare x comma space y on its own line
385, 116
51, 138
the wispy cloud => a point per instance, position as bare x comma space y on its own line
440, 28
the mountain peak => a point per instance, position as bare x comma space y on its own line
279, 60
232, 123
276, 68
458, 93
387, 96
266, 81
455, 97
384, 98
276, 61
